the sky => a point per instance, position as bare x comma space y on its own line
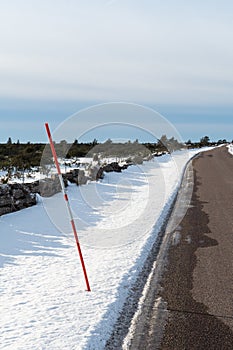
58, 57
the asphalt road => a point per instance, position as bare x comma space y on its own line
190, 300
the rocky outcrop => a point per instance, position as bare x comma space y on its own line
95, 173
34, 187
14, 197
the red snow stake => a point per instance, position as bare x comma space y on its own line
68, 206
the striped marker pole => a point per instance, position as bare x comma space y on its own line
68, 206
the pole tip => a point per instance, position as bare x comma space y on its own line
47, 129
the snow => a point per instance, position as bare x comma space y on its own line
230, 148
29, 177
44, 304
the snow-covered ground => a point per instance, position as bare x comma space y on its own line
230, 148
44, 304
66, 165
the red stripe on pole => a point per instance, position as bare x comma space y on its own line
81, 255
47, 129
52, 148
68, 207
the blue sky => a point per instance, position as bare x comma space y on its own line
58, 57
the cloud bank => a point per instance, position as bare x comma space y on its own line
172, 52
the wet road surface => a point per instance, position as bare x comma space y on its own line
189, 304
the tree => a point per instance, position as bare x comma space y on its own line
204, 141
23, 161
94, 142
108, 142
9, 142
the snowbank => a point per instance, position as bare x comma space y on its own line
230, 148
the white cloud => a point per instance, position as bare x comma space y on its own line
115, 51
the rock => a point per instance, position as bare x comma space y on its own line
100, 174
49, 187
82, 178
14, 197
125, 166
70, 177
76, 176
34, 187
5, 210
137, 160
5, 201
18, 193
110, 168
4, 189
30, 199
93, 173
114, 166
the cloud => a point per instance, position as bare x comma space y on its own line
173, 53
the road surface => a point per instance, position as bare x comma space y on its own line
189, 304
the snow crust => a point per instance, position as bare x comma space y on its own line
230, 148
44, 304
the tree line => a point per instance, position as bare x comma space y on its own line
24, 156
